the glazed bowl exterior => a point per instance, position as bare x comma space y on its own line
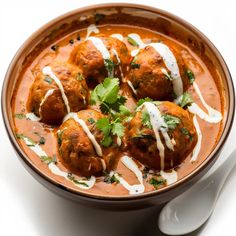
154, 19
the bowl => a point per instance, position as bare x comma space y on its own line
148, 17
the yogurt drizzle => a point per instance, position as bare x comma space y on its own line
48, 93
130, 164
98, 43
158, 123
55, 169
213, 115
96, 146
168, 58
48, 71
91, 29
117, 36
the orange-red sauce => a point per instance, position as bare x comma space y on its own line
203, 77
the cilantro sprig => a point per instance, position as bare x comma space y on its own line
106, 95
185, 100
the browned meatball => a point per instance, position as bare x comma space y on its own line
147, 77
46, 98
142, 143
77, 152
91, 62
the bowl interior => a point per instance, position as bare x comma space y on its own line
149, 18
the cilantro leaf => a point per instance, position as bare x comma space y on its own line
143, 100
110, 179
146, 119
190, 76
133, 63
48, 160
110, 66
103, 124
20, 116
157, 182
171, 121
76, 181
118, 129
186, 100
124, 110
186, 133
106, 141
132, 41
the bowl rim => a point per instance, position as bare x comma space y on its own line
209, 159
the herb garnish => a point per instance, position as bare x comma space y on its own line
112, 104
143, 100
110, 66
186, 133
29, 143
20, 116
48, 160
186, 100
48, 79
79, 77
190, 76
146, 119
91, 120
133, 63
76, 181
59, 137
110, 179
171, 121
157, 182
132, 41
41, 138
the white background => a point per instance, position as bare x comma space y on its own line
27, 208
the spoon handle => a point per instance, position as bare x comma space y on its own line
219, 175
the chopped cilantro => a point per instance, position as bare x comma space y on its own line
186, 133
133, 63
132, 41
146, 119
110, 66
20, 116
48, 160
171, 121
79, 77
143, 100
91, 120
29, 141
157, 182
48, 79
124, 110
41, 139
59, 137
76, 181
110, 179
190, 76
186, 100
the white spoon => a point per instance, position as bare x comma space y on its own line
191, 209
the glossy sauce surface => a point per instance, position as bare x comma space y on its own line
205, 82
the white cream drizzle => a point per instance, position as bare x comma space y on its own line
119, 62
74, 116
132, 87
131, 165
168, 58
117, 36
32, 116
98, 43
171, 177
91, 29
213, 115
48, 93
197, 148
158, 123
48, 71
55, 169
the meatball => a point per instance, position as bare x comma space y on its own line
176, 132
150, 77
52, 99
90, 60
77, 152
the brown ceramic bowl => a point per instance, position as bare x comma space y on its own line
148, 17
